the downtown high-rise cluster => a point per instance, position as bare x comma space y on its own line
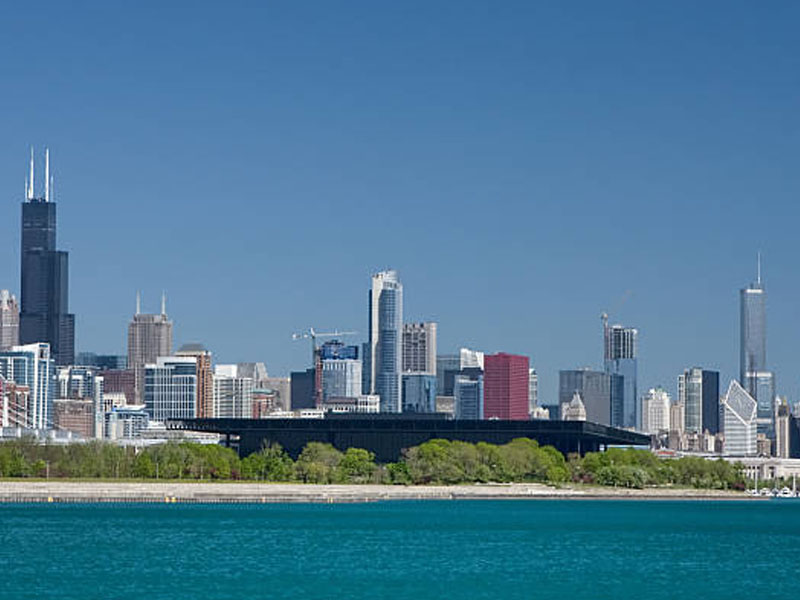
398, 369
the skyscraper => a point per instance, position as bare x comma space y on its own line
419, 348
468, 393
505, 386
170, 388
44, 276
599, 392
205, 378
383, 356
419, 393
698, 392
754, 376
620, 354
341, 371
739, 416
533, 390
655, 411
233, 393
149, 336
9, 320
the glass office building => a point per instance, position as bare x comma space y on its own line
754, 375
385, 341
620, 354
44, 279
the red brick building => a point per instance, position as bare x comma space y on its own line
505, 386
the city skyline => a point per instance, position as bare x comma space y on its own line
502, 169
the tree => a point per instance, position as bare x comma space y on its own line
318, 463
357, 465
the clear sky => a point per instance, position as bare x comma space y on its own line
524, 166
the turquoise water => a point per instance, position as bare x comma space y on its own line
508, 549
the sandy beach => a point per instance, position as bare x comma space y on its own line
177, 492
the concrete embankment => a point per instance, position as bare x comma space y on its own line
175, 492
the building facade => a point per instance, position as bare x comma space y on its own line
533, 391
505, 386
205, 378
698, 393
302, 389
105, 362
620, 354
468, 394
170, 388
384, 356
78, 416
233, 393
9, 320
419, 348
754, 375
598, 390
149, 337
656, 411
14, 402
341, 370
574, 410
84, 384
31, 365
44, 277
739, 416
419, 392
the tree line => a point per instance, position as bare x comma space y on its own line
433, 462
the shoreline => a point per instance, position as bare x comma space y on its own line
89, 492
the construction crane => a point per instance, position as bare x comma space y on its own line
316, 357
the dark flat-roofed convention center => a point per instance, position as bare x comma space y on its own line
388, 435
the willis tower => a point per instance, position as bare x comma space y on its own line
44, 311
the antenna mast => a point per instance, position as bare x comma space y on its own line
758, 275
30, 181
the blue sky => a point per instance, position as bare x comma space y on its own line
524, 166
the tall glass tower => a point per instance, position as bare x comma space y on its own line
44, 273
384, 349
620, 352
754, 376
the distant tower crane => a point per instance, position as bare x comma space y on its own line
316, 355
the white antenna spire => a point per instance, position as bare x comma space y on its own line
47, 174
138, 302
164, 303
758, 276
30, 181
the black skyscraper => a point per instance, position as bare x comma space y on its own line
44, 311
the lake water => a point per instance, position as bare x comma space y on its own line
462, 549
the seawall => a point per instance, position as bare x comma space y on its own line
193, 492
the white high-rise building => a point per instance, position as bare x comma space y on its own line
739, 418
233, 393
9, 320
533, 391
383, 355
656, 411
31, 365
